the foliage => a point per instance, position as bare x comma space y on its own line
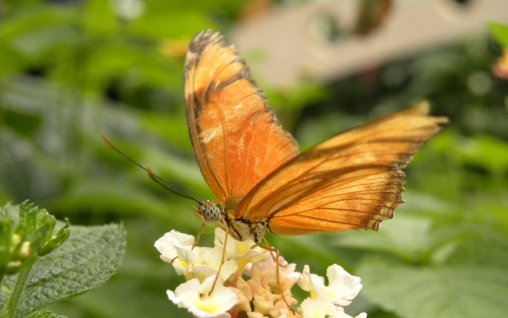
70, 73
49, 270
27, 235
500, 33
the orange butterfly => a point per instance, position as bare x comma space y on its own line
261, 181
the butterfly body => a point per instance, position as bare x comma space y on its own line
261, 182
241, 229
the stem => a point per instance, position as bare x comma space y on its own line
18, 289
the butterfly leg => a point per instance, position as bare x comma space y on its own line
274, 253
223, 259
198, 236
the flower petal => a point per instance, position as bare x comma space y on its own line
196, 299
317, 308
343, 287
169, 244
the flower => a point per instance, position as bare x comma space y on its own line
328, 301
176, 249
243, 252
267, 294
314, 308
342, 286
241, 278
198, 262
320, 308
196, 297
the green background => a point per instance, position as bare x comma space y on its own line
71, 71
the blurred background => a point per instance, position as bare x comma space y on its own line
73, 70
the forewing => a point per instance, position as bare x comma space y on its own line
351, 181
237, 139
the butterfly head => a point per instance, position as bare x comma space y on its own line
209, 212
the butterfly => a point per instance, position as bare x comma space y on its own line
259, 178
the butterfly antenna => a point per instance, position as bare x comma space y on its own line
163, 183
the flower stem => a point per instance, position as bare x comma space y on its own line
18, 289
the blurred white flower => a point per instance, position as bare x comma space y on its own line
128, 9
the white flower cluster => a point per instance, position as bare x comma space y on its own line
250, 283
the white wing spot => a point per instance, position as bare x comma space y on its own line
191, 56
237, 107
210, 134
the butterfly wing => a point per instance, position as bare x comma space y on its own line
236, 138
351, 181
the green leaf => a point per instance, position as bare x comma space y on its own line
36, 224
500, 33
486, 151
175, 23
486, 249
37, 30
28, 232
406, 237
86, 260
58, 239
99, 19
6, 231
460, 291
45, 314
